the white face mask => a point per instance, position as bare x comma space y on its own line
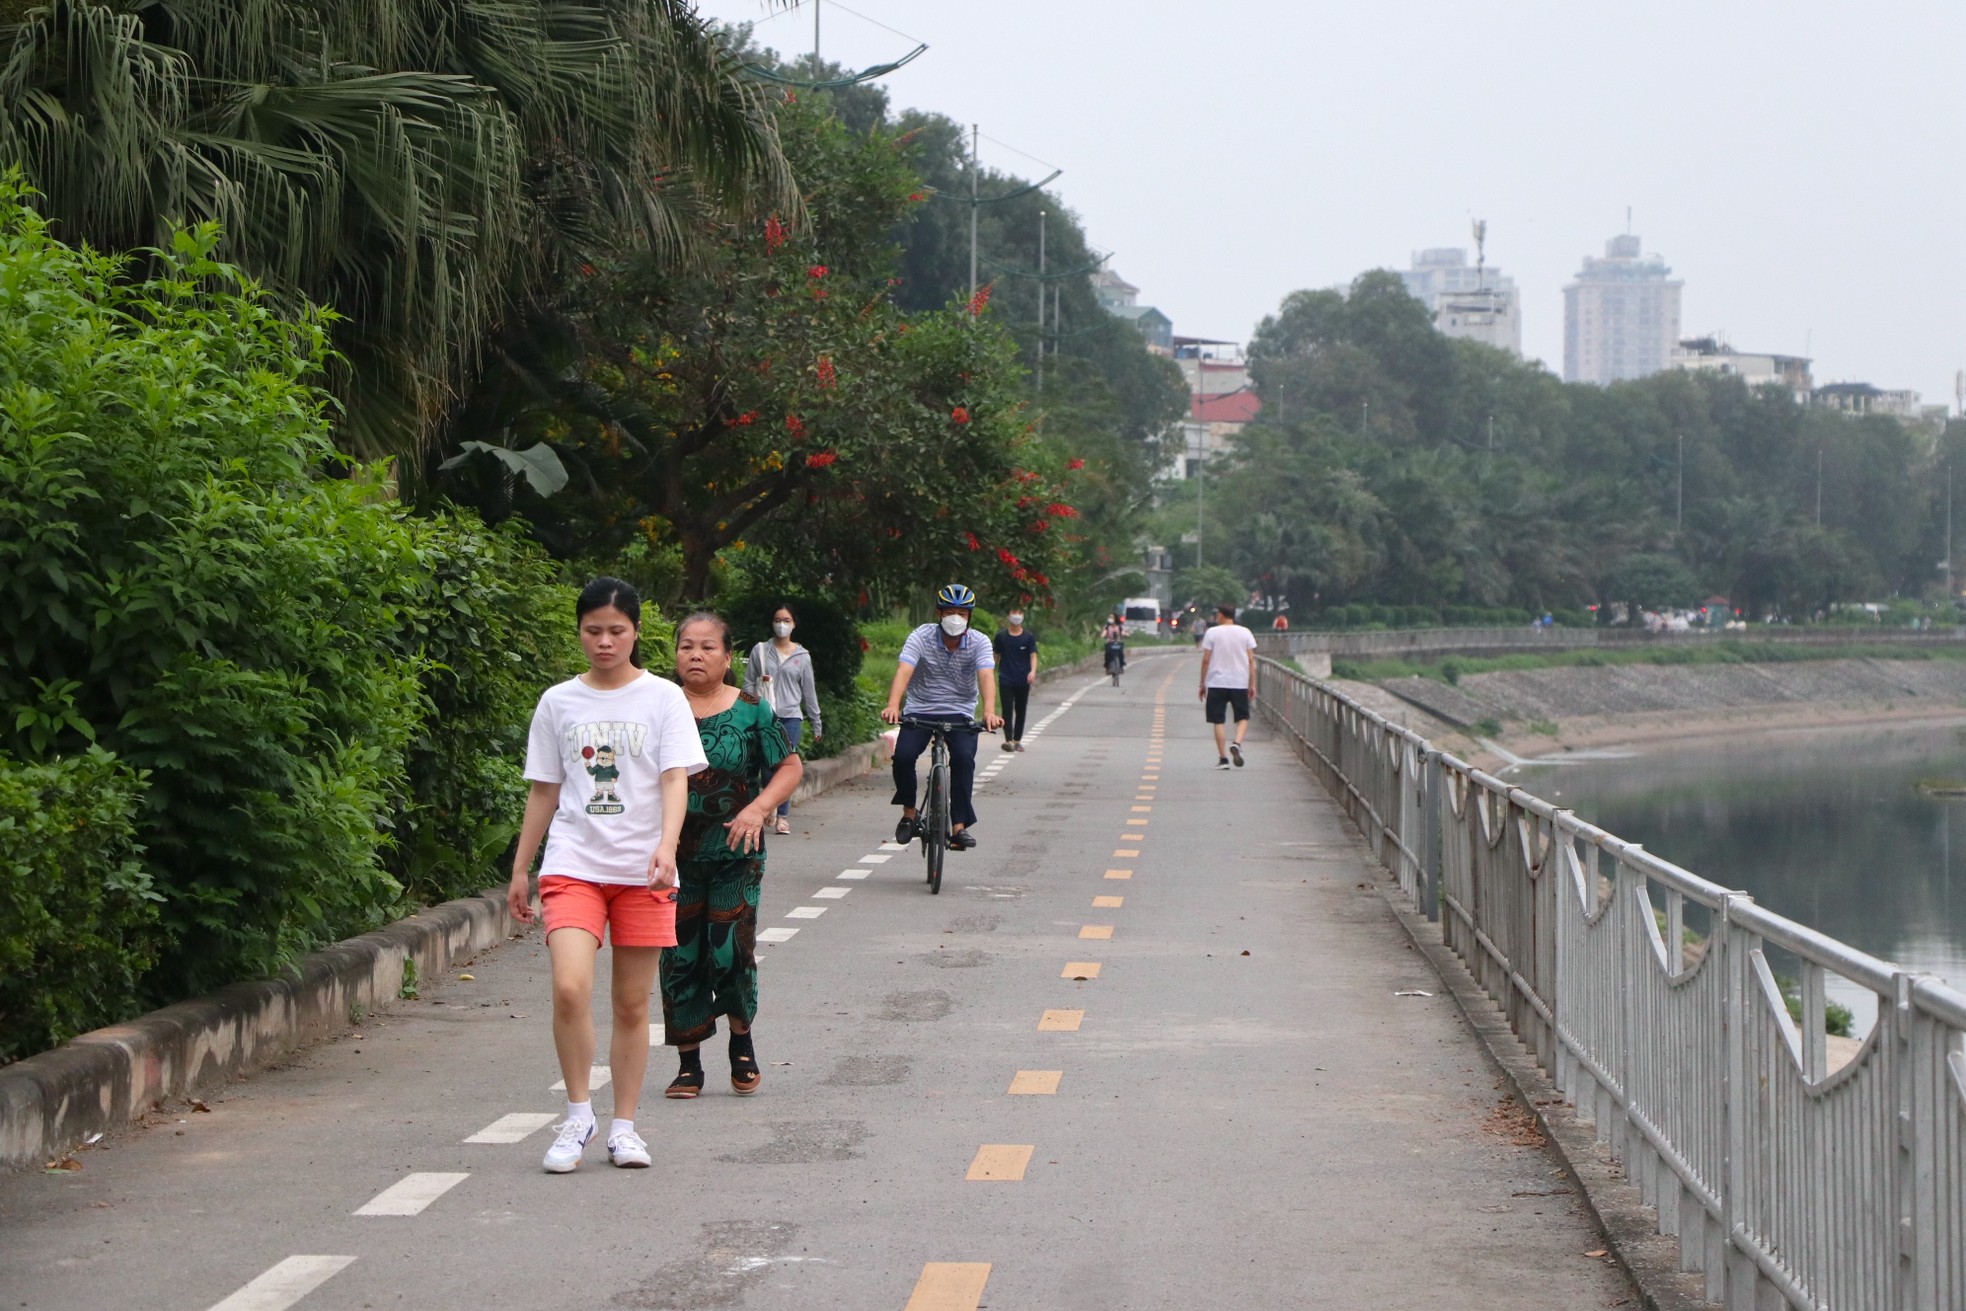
1016, 620
955, 625
782, 629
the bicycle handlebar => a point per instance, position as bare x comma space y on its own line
942, 725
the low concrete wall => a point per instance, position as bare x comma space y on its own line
109, 1077
1509, 641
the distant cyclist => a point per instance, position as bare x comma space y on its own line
1114, 636
943, 668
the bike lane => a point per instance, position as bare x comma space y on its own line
1146, 1049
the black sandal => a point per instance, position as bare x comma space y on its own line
745, 1076
687, 1083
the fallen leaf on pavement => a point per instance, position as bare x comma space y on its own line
198, 1105
468, 978
1599, 1252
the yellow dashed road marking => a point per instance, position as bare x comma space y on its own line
1080, 969
1125, 853
1108, 903
1035, 1083
1095, 931
1060, 1021
1138, 809
1119, 873
950, 1286
1000, 1162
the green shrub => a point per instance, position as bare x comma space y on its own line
306, 673
78, 917
489, 628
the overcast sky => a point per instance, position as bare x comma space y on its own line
1793, 162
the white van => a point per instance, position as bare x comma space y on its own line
1142, 615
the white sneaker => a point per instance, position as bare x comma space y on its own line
563, 1157
628, 1151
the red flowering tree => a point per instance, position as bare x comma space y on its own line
776, 409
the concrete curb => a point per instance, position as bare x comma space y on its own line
112, 1076
109, 1077
1650, 1259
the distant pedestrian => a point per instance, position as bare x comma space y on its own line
1228, 681
1197, 626
1017, 669
713, 968
1281, 623
779, 673
609, 759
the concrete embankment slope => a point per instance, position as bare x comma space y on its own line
1557, 696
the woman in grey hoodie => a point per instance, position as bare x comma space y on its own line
779, 673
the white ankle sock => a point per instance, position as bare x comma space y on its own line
619, 1127
581, 1111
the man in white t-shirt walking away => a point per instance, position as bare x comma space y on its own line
1228, 680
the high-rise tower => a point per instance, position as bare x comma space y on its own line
1621, 316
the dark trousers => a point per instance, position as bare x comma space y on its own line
1016, 704
909, 744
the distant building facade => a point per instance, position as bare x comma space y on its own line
1475, 302
1712, 354
1221, 402
1620, 316
1860, 398
1121, 299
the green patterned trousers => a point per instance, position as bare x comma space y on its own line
713, 968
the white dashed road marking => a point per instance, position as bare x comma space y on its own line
285, 1284
411, 1194
516, 1127
879, 858
805, 912
776, 935
597, 1077
853, 873
831, 894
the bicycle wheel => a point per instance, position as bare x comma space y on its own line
935, 841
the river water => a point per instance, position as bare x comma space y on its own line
1827, 827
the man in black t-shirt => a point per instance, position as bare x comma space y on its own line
1017, 669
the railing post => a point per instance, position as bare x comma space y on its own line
1430, 848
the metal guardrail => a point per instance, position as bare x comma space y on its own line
1449, 641
1648, 995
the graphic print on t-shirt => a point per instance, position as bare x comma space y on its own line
597, 745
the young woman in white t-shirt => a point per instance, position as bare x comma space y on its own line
609, 759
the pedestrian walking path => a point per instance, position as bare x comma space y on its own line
1159, 1044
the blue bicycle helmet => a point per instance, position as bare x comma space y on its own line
954, 596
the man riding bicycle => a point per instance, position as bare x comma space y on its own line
1114, 636
943, 667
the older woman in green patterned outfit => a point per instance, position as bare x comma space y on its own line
713, 968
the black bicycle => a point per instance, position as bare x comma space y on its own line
1115, 660
932, 820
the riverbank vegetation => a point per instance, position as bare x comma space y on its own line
1392, 466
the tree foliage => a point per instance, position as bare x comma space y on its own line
1394, 465
425, 168
776, 410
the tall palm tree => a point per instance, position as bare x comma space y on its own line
424, 167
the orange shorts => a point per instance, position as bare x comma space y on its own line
633, 915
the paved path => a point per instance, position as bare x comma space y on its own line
1157, 1008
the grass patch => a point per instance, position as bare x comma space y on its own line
1452, 669
1547, 727
1490, 727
